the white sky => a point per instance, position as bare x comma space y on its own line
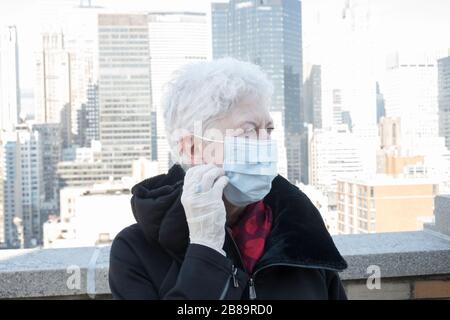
395, 24
31, 15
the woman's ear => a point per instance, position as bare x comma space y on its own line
190, 150
185, 145
196, 150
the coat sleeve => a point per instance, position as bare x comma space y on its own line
127, 277
207, 274
204, 274
336, 290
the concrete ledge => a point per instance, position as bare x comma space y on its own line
54, 272
397, 254
409, 263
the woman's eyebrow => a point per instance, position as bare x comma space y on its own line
249, 122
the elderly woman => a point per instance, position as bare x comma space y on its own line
221, 224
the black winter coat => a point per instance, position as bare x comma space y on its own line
153, 258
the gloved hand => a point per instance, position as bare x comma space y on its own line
203, 205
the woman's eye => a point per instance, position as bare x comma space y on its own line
269, 130
249, 131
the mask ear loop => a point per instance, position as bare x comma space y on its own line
181, 156
208, 139
211, 140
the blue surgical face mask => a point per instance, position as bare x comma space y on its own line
250, 165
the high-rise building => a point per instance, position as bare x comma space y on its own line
66, 62
337, 152
65, 121
175, 39
82, 167
410, 91
74, 173
88, 118
312, 94
53, 85
219, 29
444, 99
305, 148
333, 153
124, 90
9, 78
411, 95
383, 203
22, 187
81, 41
269, 34
50, 145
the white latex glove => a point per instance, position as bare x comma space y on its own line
203, 205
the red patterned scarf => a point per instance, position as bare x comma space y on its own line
251, 231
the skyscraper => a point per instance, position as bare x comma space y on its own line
268, 33
22, 187
444, 99
53, 86
219, 29
9, 78
50, 144
313, 97
124, 90
88, 118
81, 41
175, 39
333, 153
410, 91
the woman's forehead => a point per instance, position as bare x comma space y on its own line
249, 112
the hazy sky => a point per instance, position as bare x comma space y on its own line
31, 15
395, 24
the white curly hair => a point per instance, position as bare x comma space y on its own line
205, 90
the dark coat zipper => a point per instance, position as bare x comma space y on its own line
251, 281
251, 284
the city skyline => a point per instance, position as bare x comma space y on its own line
386, 14
349, 101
